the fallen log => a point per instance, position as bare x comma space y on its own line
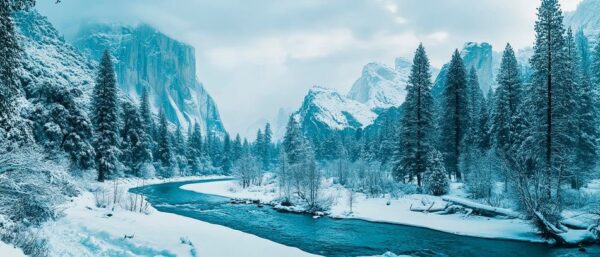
549, 229
483, 209
429, 208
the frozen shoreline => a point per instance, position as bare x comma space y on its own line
397, 212
86, 230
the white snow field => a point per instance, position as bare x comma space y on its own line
7, 250
398, 211
89, 231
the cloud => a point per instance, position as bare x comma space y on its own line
257, 56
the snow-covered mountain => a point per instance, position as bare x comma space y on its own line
326, 109
586, 16
48, 59
380, 86
148, 58
478, 55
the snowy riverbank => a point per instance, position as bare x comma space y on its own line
86, 230
397, 211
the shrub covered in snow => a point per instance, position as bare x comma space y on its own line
436, 180
31, 186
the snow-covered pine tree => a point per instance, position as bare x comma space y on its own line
435, 177
8, 65
227, 152
471, 145
595, 75
545, 152
455, 116
508, 99
585, 56
105, 118
566, 114
146, 114
136, 152
586, 153
164, 150
294, 142
595, 66
179, 150
19, 5
60, 123
236, 148
475, 99
267, 147
548, 63
416, 128
195, 150
388, 142
214, 149
258, 144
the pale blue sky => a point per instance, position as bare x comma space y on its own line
255, 56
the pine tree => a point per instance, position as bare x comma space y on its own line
179, 150
105, 118
259, 144
506, 107
267, 147
417, 123
548, 63
146, 114
8, 65
595, 67
164, 146
566, 112
227, 152
294, 142
236, 148
195, 150
472, 143
436, 181
135, 144
586, 152
548, 145
583, 51
475, 99
455, 117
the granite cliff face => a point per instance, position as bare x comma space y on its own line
585, 17
145, 57
380, 86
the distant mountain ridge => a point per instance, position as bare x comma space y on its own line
380, 86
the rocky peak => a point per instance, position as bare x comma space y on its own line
145, 57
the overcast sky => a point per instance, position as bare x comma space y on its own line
255, 56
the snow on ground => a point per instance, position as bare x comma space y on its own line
398, 211
89, 231
9, 250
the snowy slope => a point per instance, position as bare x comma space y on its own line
381, 86
326, 108
87, 231
9, 250
145, 57
48, 59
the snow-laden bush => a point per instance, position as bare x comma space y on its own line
435, 179
480, 175
23, 237
31, 188
247, 171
